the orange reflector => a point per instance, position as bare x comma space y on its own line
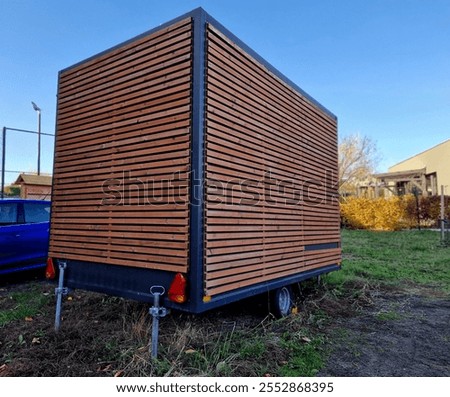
177, 290
50, 272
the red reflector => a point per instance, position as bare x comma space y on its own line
50, 272
177, 290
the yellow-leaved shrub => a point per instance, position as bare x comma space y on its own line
375, 214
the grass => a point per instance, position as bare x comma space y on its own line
396, 259
297, 345
389, 315
240, 342
22, 305
276, 348
307, 356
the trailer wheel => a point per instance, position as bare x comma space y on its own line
281, 302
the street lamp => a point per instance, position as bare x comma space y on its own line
38, 110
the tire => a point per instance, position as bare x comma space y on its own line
281, 302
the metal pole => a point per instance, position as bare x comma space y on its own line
59, 292
156, 312
39, 144
28, 131
155, 328
3, 160
416, 195
38, 110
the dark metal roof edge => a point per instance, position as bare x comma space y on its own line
200, 12
265, 63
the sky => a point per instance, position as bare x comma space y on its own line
381, 66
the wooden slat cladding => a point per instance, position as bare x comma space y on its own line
121, 176
271, 169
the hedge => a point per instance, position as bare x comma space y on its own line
393, 213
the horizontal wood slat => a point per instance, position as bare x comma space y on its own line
121, 192
123, 147
124, 53
271, 170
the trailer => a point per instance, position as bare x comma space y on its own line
190, 172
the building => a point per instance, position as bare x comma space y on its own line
33, 186
423, 173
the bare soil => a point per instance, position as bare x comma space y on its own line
378, 333
399, 335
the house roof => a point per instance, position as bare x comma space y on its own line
399, 174
33, 179
421, 153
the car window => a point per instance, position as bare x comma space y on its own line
8, 213
36, 212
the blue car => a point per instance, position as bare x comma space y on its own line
24, 234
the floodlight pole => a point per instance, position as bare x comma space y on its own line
38, 110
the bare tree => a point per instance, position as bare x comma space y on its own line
357, 159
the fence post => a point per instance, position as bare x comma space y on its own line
442, 215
